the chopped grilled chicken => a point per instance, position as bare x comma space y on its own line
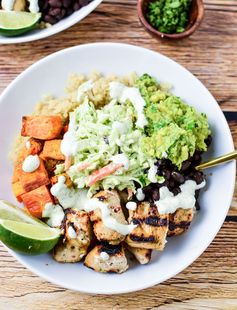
151, 230
102, 233
180, 221
143, 256
19, 5
107, 258
77, 239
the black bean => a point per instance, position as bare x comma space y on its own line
167, 174
55, 3
197, 194
198, 177
185, 165
148, 189
69, 11
208, 141
171, 185
177, 177
54, 12
67, 3
159, 162
197, 205
63, 13
50, 19
197, 157
176, 191
66, 8
83, 2
155, 194
76, 6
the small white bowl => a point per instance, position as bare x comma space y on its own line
60, 26
49, 76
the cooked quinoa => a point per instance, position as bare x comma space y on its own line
50, 105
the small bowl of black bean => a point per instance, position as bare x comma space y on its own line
171, 19
48, 18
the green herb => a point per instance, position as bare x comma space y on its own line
169, 16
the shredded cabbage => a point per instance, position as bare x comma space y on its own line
103, 133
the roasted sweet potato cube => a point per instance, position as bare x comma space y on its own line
39, 177
35, 146
50, 165
42, 127
52, 150
65, 128
54, 179
18, 190
16, 173
35, 200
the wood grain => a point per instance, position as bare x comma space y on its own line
210, 54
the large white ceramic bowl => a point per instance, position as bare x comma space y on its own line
60, 26
49, 75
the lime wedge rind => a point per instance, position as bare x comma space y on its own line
27, 230
23, 233
28, 238
16, 23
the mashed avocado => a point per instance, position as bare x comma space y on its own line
175, 130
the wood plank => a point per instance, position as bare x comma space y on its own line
211, 277
208, 58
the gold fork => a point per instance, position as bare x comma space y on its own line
217, 161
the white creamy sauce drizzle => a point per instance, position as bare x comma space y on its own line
54, 213
71, 232
34, 6
28, 145
164, 155
140, 195
152, 174
131, 205
69, 144
83, 88
8, 5
71, 198
121, 159
169, 203
31, 163
120, 126
122, 93
104, 256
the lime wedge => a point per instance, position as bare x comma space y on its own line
28, 238
16, 23
10, 212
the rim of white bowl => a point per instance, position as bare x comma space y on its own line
62, 25
212, 235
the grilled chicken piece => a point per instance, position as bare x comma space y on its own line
19, 5
180, 221
102, 233
77, 239
151, 230
107, 258
143, 256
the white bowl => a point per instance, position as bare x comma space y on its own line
60, 26
49, 75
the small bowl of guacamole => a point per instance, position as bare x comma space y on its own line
172, 19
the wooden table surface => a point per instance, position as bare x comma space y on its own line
210, 54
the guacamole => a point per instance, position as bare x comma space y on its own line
175, 130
